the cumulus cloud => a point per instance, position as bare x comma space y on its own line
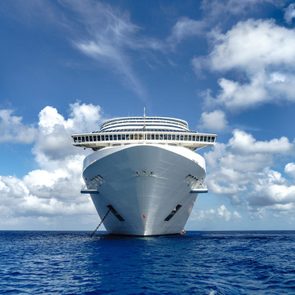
53, 189
243, 170
215, 120
53, 140
290, 13
244, 142
262, 52
290, 169
13, 130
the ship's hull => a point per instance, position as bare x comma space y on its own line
145, 189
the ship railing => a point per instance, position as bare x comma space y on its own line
99, 140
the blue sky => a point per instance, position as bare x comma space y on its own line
226, 67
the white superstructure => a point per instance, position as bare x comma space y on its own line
144, 176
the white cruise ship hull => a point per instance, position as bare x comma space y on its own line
145, 189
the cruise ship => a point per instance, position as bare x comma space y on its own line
144, 173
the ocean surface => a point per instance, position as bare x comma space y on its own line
196, 263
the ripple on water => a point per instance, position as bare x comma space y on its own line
199, 262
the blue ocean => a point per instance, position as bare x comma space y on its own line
195, 263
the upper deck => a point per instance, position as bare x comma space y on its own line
144, 130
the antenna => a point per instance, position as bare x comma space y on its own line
144, 123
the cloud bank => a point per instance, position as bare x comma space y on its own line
52, 192
243, 170
262, 53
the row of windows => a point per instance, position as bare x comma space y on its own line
141, 136
142, 129
138, 126
142, 120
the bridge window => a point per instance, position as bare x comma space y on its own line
115, 136
119, 136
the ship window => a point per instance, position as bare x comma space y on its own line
115, 136
152, 136
106, 137
119, 136
161, 136
165, 136
140, 136
157, 136
172, 213
102, 137
131, 136
123, 136
201, 138
87, 139
90, 138
198, 138
189, 137
181, 137
177, 137
111, 137
127, 136
98, 137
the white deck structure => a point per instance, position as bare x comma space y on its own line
144, 130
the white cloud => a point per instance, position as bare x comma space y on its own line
185, 28
216, 9
290, 169
263, 53
242, 170
109, 36
53, 190
54, 131
245, 143
13, 130
215, 120
290, 13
